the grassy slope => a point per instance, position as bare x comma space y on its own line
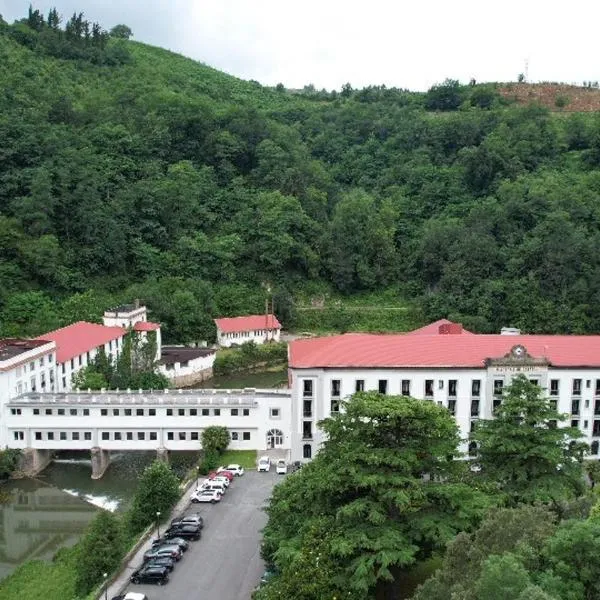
154, 77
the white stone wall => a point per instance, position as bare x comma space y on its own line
21, 373
113, 318
178, 370
258, 336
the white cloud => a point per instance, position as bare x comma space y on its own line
330, 42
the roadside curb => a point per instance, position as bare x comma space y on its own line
119, 582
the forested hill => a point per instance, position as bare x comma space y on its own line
127, 171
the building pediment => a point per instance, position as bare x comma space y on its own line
517, 357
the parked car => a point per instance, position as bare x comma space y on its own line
237, 470
281, 467
218, 473
146, 574
211, 496
161, 561
130, 596
162, 541
264, 464
213, 485
194, 518
188, 531
171, 550
220, 479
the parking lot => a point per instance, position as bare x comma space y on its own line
225, 564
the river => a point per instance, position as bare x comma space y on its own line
39, 516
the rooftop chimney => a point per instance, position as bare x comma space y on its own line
450, 328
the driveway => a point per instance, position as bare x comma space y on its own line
225, 564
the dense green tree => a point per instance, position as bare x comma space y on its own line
368, 479
9, 461
99, 550
121, 31
523, 451
215, 439
446, 96
506, 535
89, 378
157, 491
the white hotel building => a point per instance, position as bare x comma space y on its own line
442, 363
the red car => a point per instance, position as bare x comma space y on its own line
227, 474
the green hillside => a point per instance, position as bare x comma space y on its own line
127, 171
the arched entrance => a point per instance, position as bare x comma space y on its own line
274, 438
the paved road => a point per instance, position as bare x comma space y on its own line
225, 564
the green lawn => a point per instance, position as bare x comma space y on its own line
246, 458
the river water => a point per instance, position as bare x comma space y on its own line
39, 516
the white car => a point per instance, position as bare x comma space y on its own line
222, 480
237, 470
209, 484
264, 464
211, 496
281, 467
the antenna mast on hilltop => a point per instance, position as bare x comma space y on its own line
527, 70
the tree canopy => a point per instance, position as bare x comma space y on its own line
524, 452
383, 492
129, 172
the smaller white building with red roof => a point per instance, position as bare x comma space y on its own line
235, 331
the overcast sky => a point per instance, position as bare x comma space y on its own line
409, 44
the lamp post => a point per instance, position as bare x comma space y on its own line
105, 575
197, 475
158, 523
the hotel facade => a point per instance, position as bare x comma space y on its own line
442, 363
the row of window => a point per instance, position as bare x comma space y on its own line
429, 385
123, 435
46, 385
246, 334
22, 370
274, 413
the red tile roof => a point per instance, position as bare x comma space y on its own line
249, 323
81, 337
146, 326
466, 351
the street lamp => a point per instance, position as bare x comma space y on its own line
105, 575
197, 476
158, 523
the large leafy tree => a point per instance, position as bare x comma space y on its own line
100, 550
157, 491
464, 572
524, 451
386, 480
